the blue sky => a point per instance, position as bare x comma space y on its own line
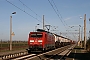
25, 19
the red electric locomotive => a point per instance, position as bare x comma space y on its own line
40, 41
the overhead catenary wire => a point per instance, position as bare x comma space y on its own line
29, 8
32, 10
23, 11
58, 14
62, 17
27, 12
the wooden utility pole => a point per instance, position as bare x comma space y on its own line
85, 31
81, 36
89, 29
10, 32
79, 39
43, 22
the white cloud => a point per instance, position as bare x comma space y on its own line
73, 17
68, 18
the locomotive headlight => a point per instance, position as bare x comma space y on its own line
39, 40
31, 40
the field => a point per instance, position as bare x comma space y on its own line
16, 45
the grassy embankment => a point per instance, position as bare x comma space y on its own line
16, 45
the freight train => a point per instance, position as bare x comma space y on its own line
43, 40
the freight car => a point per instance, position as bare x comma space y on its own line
41, 41
61, 41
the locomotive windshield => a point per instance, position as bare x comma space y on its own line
36, 35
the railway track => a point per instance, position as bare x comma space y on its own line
54, 54
24, 57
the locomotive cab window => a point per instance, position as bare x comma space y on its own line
39, 35
36, 35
